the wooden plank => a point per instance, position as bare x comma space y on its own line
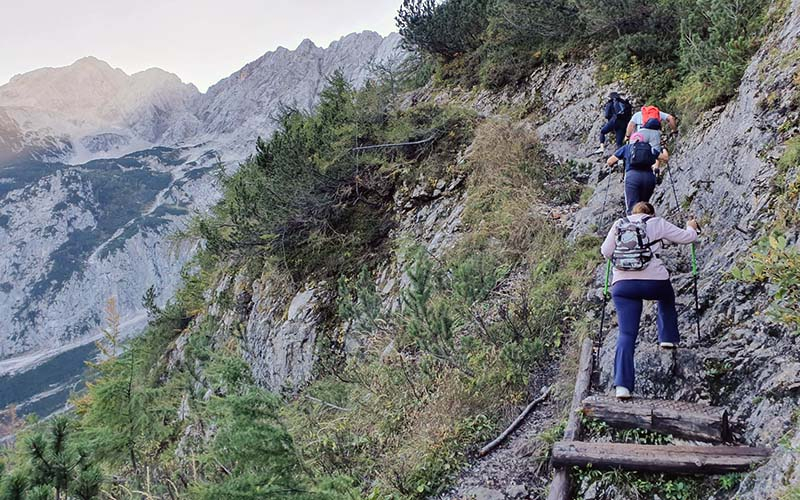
561, 486
678, 418
668, 459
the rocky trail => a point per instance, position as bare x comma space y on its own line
513, 470
742, 361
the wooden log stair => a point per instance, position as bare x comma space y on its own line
693, 422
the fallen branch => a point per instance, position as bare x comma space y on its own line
325, 403
395, 145
515, 424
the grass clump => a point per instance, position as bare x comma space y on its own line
776, 262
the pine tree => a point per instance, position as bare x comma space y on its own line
14, 487
448, 29
58, 464
109, 344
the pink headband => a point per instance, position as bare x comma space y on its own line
636, 137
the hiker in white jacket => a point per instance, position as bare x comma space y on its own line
651, 282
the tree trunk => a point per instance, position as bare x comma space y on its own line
561, 486
684, 420
667, 459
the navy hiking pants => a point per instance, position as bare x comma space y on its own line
628, 296
618, 127
639, 186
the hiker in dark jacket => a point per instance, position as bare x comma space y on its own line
617, 113
640, 162
647, 280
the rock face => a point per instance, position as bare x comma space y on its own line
75, 236
281, 342
76, 230
282, 338
246, 104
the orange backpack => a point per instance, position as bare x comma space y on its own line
650, 112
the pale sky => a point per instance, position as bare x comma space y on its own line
201, 41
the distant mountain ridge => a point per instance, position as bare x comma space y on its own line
91, 110
95, 108
98, 168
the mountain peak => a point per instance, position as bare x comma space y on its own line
306, 45
91, 61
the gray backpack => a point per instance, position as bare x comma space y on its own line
633, 251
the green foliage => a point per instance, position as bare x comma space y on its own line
791, 156
361, 304
729, 482
688, 55
53, 464
598, 429
791, 493
610, 485
14, 486
252, 455
310, 202
717, 39
129, 414
776, 262
448, 29
437, 375
786, 186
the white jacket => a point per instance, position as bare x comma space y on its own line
657, 229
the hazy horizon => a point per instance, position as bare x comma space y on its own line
235, 33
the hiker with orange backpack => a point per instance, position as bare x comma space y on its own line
648, 121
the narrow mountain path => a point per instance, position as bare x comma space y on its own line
518, 469
513, 470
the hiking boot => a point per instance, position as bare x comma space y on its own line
600, 150
667, 345
623, 393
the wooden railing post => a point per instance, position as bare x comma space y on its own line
561, 487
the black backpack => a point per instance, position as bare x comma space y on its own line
641, 155
620, 109
624, 109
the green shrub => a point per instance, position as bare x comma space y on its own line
448, 29
252, 454
776, 262
682, 55
314, 206
53, 463
610, 485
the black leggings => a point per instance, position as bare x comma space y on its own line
639, 186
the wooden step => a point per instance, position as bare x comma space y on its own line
668, 459
680, 419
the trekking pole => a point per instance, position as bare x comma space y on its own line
605, 199
674, 191
599, 337
695, 275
